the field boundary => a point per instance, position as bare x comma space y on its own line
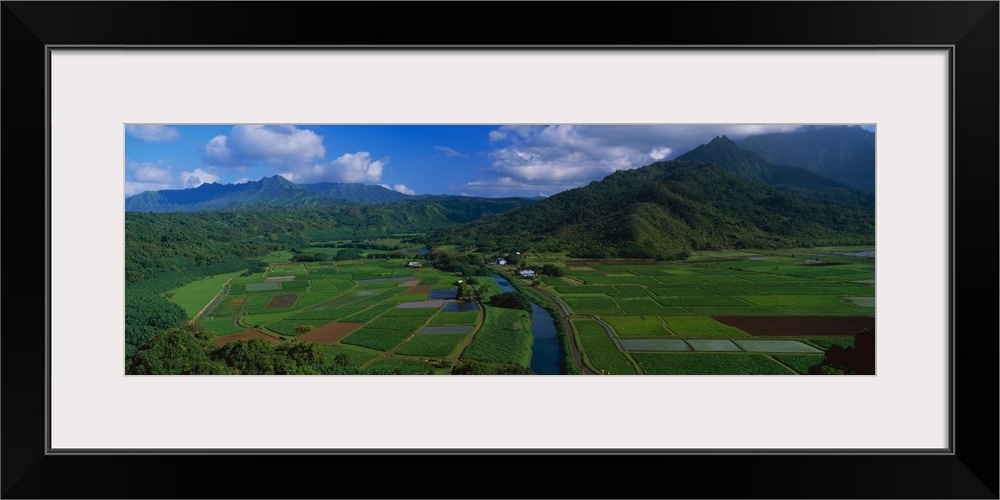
213, 302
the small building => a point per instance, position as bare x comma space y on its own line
502, 262
413, 264
528, 273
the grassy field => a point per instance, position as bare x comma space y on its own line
600, 350
640, 301
636, 326
504, 338
194, 296
696, 363
438, 346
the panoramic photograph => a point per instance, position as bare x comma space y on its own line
518, 249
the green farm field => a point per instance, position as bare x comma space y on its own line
623, 314
195, 296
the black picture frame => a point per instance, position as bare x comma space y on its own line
969, 28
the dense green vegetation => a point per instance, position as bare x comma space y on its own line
600, 350
708, 364
195, 295
505, 338
431, 345
511, 300
189, 351
669, 209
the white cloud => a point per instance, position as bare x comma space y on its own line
276, 144
399, 188
151, 172
242, 180
133, 187
152, 133
507, 186
450, 151
148, 176
559, 157
197, 178
357, 167
659, 153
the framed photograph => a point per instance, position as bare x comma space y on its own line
159, 102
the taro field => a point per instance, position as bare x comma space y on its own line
733, 313
378, 314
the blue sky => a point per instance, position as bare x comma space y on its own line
473, 160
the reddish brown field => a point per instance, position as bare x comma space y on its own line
798, 326
282, 301
236, 301
330, 333
245, 335
409, 283
417, 289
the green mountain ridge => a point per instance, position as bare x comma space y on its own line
668, 209
843, 153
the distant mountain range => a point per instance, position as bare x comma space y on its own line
717, 196
275, 192
843, 153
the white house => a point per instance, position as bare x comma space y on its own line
502, 262
528, 273
413, 264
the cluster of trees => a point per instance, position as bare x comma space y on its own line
188, 350
473, 264
856, 360
471, 289
477, 368
511, 300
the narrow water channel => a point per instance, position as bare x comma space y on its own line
545, 356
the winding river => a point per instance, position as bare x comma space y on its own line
545, 356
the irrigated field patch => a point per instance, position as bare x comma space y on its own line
862, 301
775, 346
418, 290
654, 345
256, 287
446, 329
709, 345
374, 338
794, 300
423, 304
708, 363
800, 326
431, 345
455, 318
331, 332
592, 305
701, 326
636, 326
404, 323
280, 301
